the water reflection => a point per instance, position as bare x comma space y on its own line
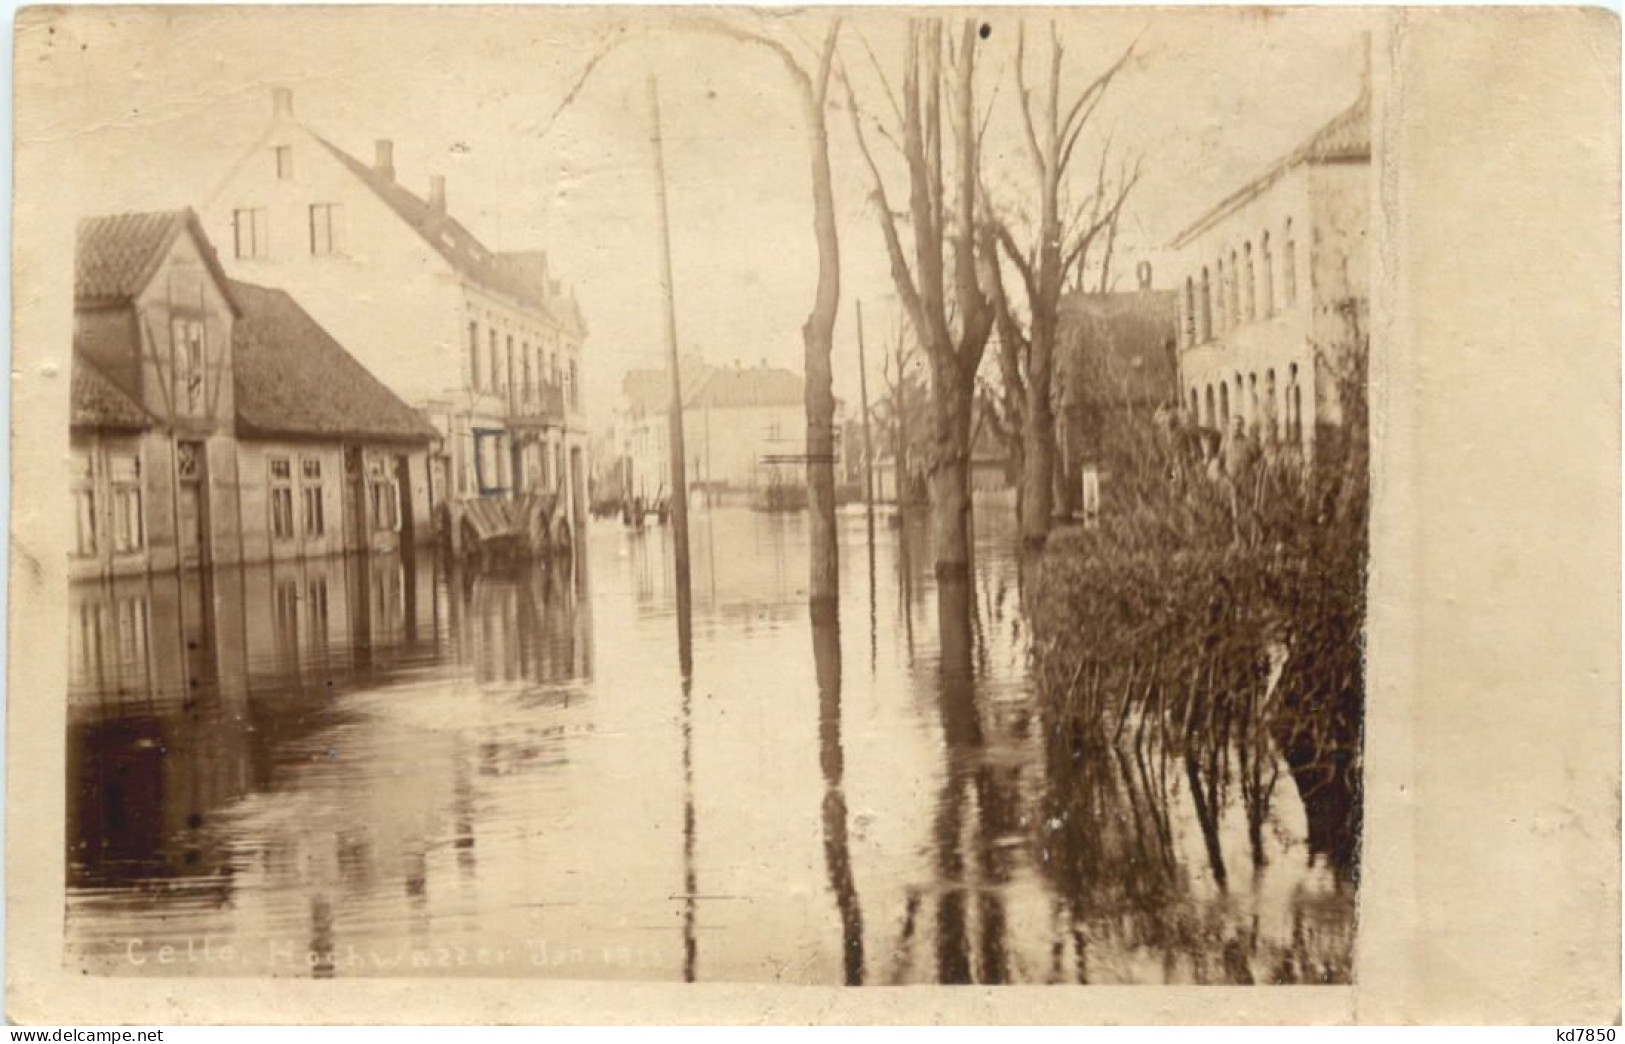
382, 766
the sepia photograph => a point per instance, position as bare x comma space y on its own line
786, 497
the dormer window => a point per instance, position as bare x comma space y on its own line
284, 162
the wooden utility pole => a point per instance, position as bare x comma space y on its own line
868, 446
679, 478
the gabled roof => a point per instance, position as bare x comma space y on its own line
726, 386
1346, 138
1119, 347
293, 378
505, 273
714, 387
117, 255
99, 403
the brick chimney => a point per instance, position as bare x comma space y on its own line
437, 193
384, 158
281, 101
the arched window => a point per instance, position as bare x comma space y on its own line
1289, 267
1254, 414
1224, 405
1268, 305
1294, 406
1221, 308
1196, 408
1250, 291
1188, 329
1272, 418
1208, 417
1235, 290
1205, 327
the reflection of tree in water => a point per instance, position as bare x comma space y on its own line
826, 628
977, 811
1109, 846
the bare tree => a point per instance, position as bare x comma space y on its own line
811, 79
1027, 356
941, 290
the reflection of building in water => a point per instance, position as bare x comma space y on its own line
183, 688
215, 422
528, 625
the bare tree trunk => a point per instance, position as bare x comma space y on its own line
950, 478
944, 224
818, 336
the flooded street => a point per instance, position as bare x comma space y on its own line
364, 766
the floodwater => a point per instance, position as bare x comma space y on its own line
373, 767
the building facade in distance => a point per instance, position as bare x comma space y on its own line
1273, 284
744, 429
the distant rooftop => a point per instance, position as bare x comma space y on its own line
293, 378
1346, 138
1119, 347
521, 275
714, 387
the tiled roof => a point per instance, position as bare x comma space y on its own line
99, 403
293, 378
509, 274
116, 255
1119, 347
714, 387
1345, 138
749, 386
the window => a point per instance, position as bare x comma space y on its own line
251, 233
386, 513
530, 390
1289, 262
124, 471
1209, 415
284, 162
575, 388
1234, 316
1190, 311
1267, 305
474, 354
326, 237
1206, 326
312, 495
281, 471
1250, 291
496, 363
1221, 309
384, 495
508, 360
460, 465
84, 503
186, 337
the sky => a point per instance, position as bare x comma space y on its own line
145, 109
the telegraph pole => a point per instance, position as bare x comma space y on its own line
679, 478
